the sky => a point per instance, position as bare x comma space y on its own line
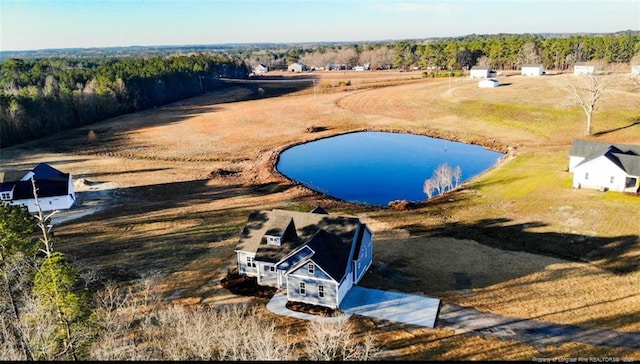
46, 24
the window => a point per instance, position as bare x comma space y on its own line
321, 291
310, 268
586, 176
273, 240
272, 268
303, 289
250, 262
6, 196
611, 179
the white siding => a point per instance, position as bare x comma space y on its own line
599, 173
47, 203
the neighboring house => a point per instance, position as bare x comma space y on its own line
583, 68
532, 70
315, 256
481, 72
635, 70
260, 70
297, 67
488, 83
605, 166
55, 189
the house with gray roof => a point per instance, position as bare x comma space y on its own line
605, 166
315, 256
54, 188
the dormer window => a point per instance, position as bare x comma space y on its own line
273, 240
310, 268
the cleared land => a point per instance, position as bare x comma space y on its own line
178, 182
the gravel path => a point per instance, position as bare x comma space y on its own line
464, 319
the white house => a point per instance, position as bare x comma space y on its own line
481, 72
605, 166
583, 68
297, 67
315, 256
260, 69
488, 83
635, 70
55, 189
532, 70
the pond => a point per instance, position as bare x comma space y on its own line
375, 168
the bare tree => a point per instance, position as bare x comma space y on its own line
457, 176
334, 340
529, 53
588, 93
429, 187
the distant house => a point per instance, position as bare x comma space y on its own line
488, 83
315, 256
481, 72
605, 166
532, 70
583, 68
635, 70
55, 189
297, 67
260, 69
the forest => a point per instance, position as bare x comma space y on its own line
47, 92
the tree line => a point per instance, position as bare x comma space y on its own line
39, 97
501, 51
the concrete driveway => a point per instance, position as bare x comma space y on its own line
392, 306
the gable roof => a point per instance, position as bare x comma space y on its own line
306, 224
625, 156
330, 253
587, 148
49, 182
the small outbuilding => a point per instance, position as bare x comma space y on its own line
260, 70
583, 68
297, 67
481, 72
532, 70
488, 83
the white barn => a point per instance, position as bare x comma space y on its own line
605, 166
532, 70
635, 70
583, 68
481, 72
297, 67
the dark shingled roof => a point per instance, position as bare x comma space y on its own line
331, 253
306, 225
49, 182
625, 156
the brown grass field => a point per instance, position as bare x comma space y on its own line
178, 182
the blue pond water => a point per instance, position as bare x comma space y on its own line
375, 168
